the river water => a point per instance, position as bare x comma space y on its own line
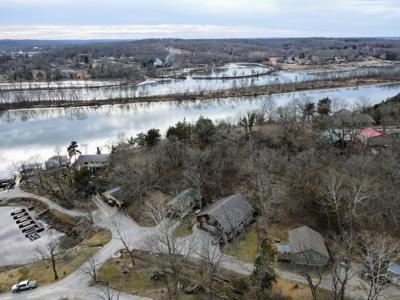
190, 84
39, 132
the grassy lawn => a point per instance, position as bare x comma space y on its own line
136, 281
245, 249
293, 291
64, 218
42, 271
185, 228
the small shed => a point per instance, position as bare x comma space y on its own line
185, 202
114, 196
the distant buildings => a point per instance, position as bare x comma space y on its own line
57, 162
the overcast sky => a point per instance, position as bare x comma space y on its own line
131, 19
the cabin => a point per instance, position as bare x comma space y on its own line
114, 197
184, 203
227, 218
93, 161
306, 247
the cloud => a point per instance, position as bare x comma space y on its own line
144, 31
384, 8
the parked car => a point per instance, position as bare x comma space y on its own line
344, 261
24, 285
382, 280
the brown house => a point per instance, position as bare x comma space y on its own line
227, 218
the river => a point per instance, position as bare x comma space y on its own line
39, 132
191, 85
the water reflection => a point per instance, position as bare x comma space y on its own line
25, 133
190, 85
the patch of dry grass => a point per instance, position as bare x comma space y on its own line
245, 249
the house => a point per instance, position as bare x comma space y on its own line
27, 169
185, 202
56, 162
67, 73
305, 247
227, 218
375, 138
81, 74
114, 197
92, 161
39, 75
3, 77
393, 272
345, 118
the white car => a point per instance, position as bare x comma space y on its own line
24, 285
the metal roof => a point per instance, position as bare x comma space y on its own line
230, 212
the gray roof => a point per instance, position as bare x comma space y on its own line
380, 141
304, 238
116, 192
352, 119
230, 212
185, 200
93, 158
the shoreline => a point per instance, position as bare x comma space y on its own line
246, 92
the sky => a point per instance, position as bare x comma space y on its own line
137, 19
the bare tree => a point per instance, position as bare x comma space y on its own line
124, 240
50, 253
344, 246
90, 268
332, 197
380, 250
169, 252
212, 258
313, 278
89, 212
105, 292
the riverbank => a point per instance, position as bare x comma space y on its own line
242, 92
